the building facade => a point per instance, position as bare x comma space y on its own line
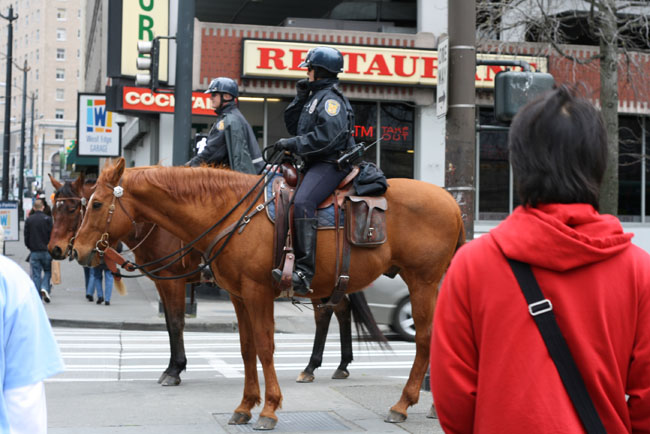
47, 37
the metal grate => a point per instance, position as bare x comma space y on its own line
313, 421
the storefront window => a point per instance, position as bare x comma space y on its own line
365, 128
396, 129
629, 168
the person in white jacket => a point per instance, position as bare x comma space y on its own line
28, 353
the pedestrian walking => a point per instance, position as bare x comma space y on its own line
491, 371
28, 353
38, 227
100, 274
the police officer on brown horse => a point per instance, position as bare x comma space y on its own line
231, 141
321, 119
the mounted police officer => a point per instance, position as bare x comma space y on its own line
231, 140
321, 119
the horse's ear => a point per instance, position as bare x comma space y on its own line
78, 184
116, 171
56, 184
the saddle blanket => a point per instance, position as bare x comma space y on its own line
325, 215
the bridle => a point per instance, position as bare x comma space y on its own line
82, 208
102, 244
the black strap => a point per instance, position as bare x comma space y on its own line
541, 310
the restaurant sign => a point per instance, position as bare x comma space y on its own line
141, 99
365, 64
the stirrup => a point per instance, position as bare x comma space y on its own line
303, 289
276, 273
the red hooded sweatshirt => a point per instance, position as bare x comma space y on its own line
490, 369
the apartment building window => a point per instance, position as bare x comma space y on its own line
37, 55
60, 54
58, 134
60, 34
78, 13
60, 14
36, 73
38, 34
78, 33
78, 53
58, 114
60, 74
60, 94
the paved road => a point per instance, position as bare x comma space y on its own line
110, 386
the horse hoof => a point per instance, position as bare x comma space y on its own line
395, 417
433, 414
305, 377
265, 423
340, 374
170, 380
239, 418
162, 377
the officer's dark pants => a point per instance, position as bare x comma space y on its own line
319, 182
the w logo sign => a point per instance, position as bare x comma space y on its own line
98, 120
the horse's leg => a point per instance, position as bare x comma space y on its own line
322, 317
423, 299
172, 295
259, 299
344, 316
251, 396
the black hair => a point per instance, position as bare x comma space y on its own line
320, 73
558, 150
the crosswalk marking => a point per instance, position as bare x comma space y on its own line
127, 355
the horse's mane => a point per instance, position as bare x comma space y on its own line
67, 190
192, 184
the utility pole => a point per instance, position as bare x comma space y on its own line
31, 136
5, 152
183, 88
460, 149
21, 172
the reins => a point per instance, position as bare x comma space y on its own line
118, 191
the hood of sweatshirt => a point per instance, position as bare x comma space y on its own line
560, 237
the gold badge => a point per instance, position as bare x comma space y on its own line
220, 125
332, 107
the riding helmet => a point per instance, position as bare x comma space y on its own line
327, 58
223, 85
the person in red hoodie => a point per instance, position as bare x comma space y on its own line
490, 368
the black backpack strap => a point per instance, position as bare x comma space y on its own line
541, 310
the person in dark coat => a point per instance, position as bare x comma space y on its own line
38, 227
231, 141
321, 118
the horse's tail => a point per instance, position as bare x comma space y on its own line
365, 323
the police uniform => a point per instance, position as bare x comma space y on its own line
322, 126
231, 142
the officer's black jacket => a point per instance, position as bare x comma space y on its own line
321, 120
231, 141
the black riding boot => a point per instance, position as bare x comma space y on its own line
305, 249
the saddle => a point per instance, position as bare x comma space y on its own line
364, 226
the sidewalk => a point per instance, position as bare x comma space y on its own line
138, 309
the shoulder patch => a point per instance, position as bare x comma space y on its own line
313, 105
221, 125
332, 107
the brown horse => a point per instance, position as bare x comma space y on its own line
424, 228
68, 209
149, 243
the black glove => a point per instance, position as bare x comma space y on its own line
283, 145
302, 88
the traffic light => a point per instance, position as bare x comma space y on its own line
151, 49
514, 89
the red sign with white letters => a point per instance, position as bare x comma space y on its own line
143, 100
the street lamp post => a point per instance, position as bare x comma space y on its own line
5, 153
32, 142
21, 172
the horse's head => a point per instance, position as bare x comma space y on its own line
67, 212
107, 217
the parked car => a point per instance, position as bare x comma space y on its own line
390, 304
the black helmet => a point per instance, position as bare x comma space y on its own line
223, 85
327, 58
